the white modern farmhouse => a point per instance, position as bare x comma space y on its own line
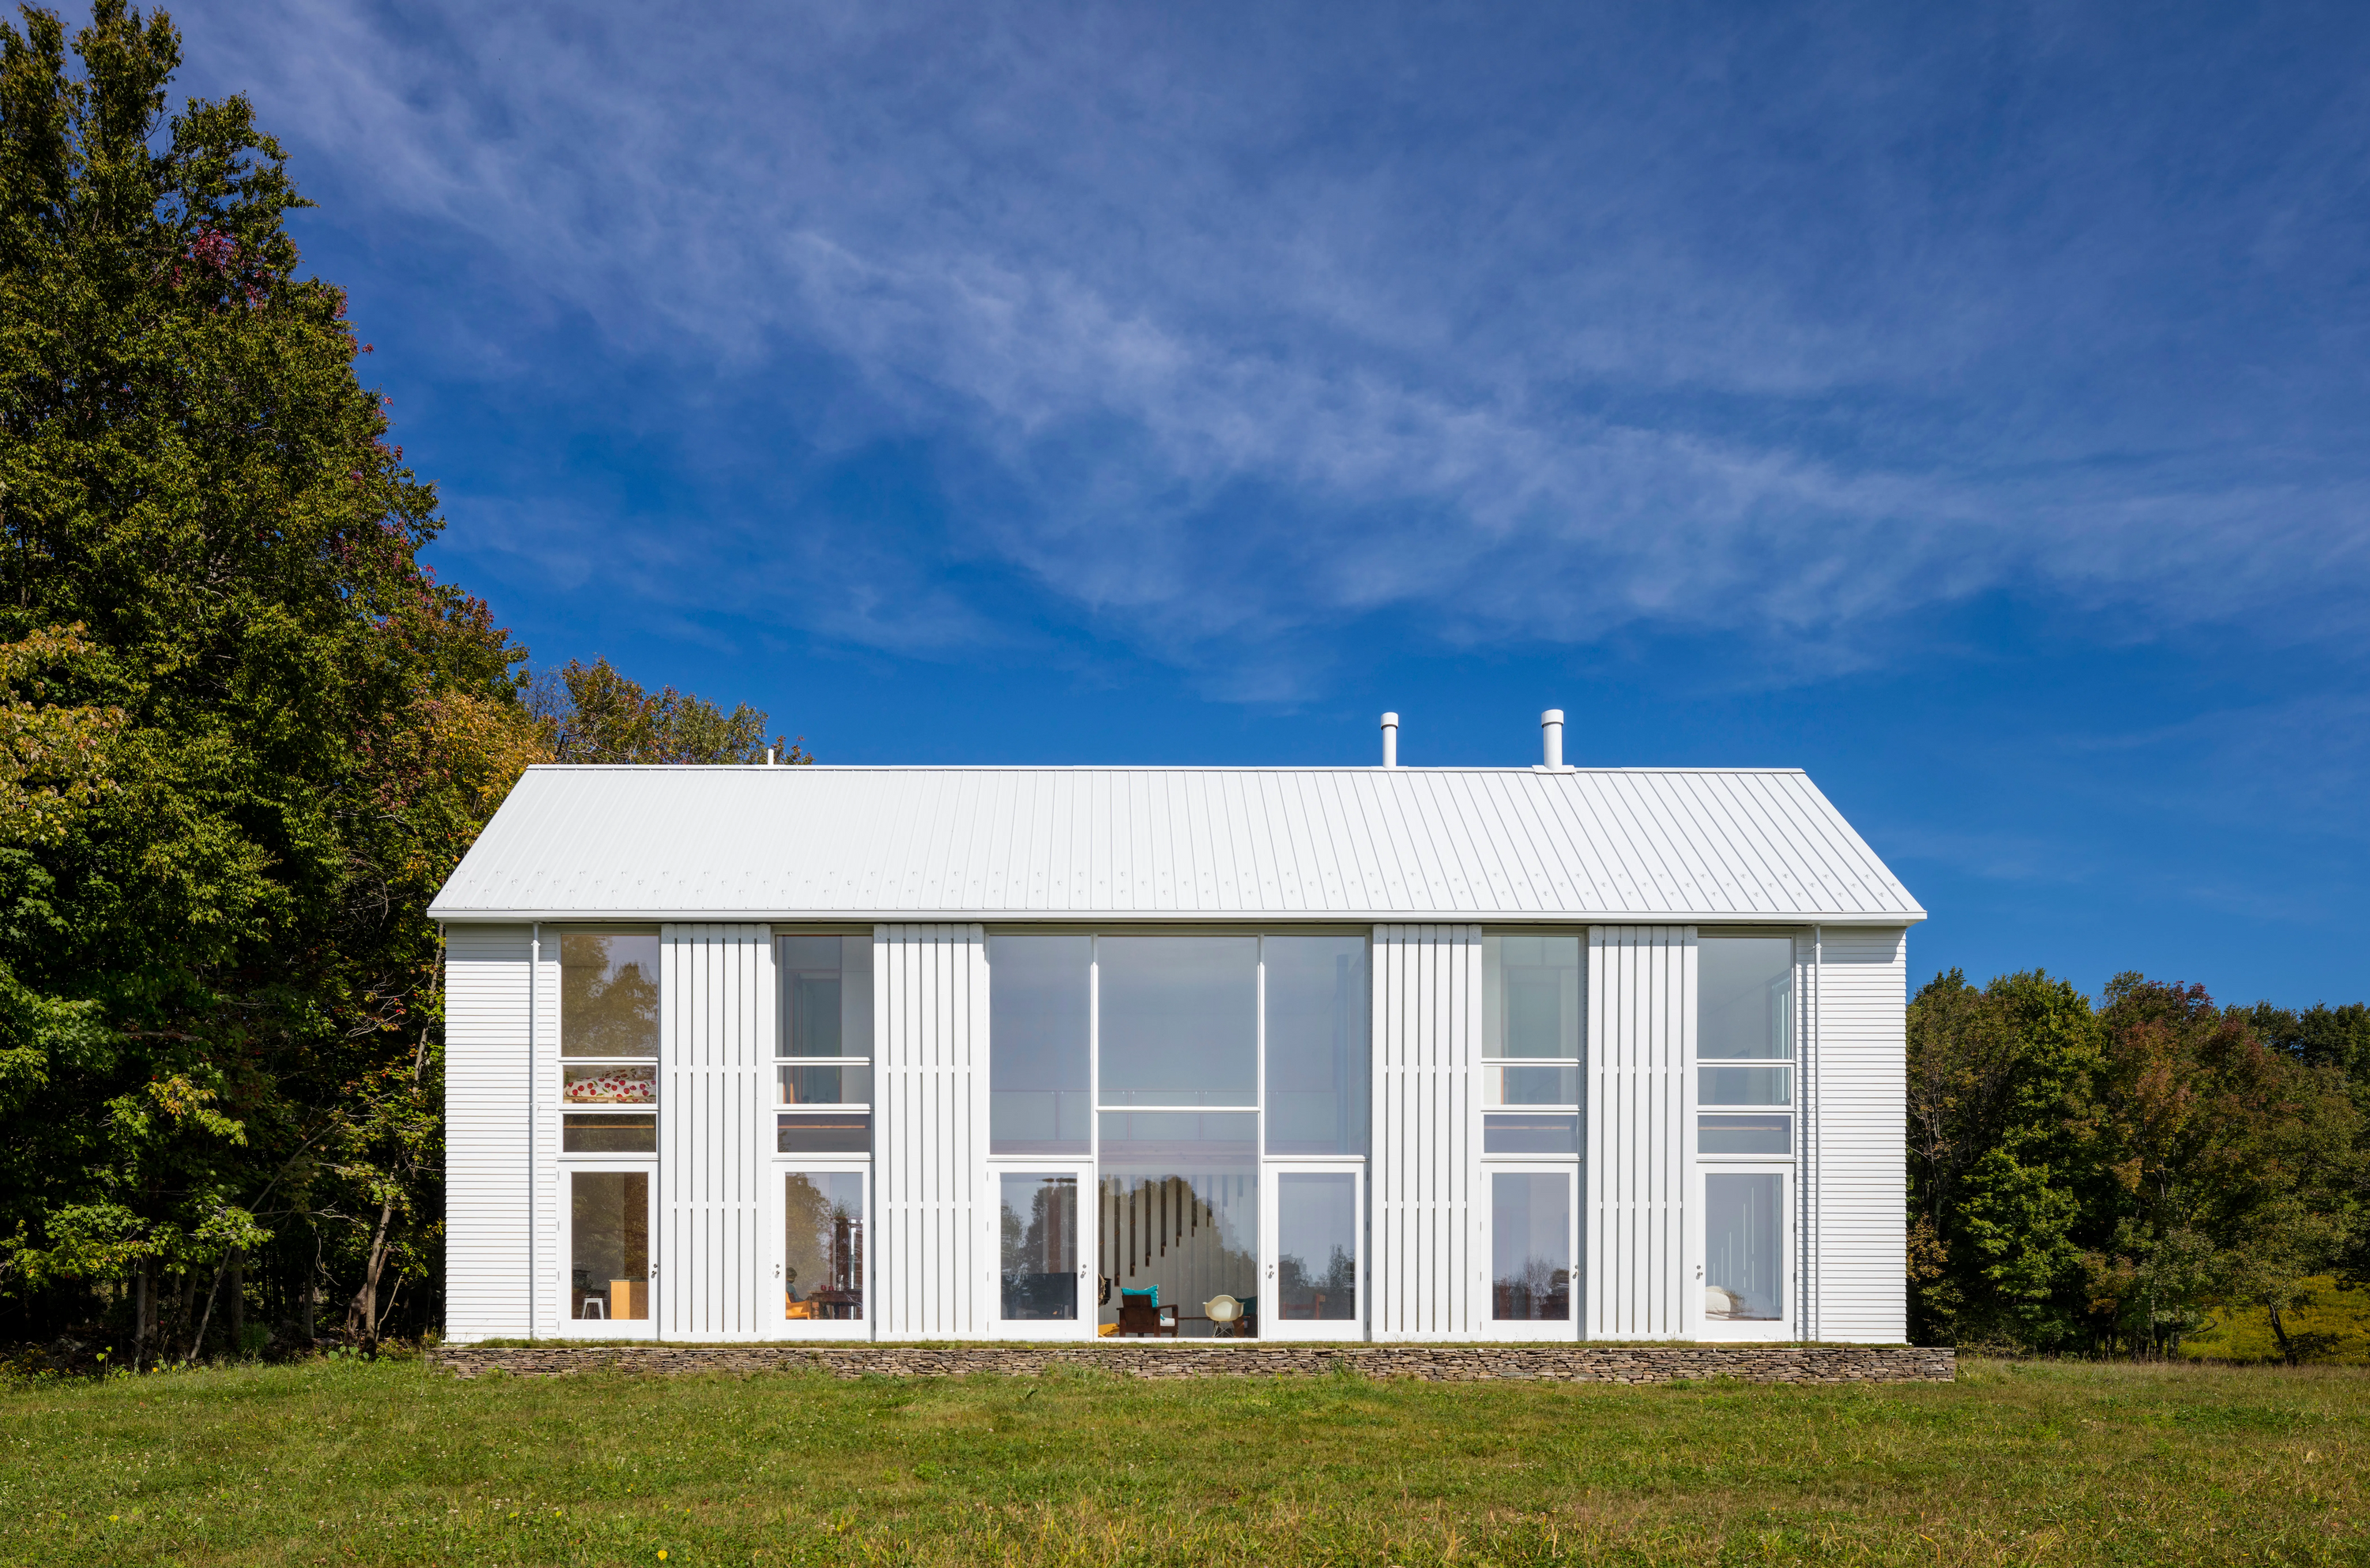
1456, 1054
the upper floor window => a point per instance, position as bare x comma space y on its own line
608, 1041
825, 1045
1744, 1043
608, 994
1534, 1042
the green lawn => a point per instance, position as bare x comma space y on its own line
355, 1463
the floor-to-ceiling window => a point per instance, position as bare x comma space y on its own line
608, 1125
1534, 1044
1177, 1133
1746, 1133
822, 1170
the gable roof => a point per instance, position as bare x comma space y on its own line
1137, 844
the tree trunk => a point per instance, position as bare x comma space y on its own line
361, 1312
198, 1340
143, 1312
2280, 1332
238, 1305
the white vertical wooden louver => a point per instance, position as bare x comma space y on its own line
1641, 998
1858, 1242
549, 1249
1430, 1252
933, 1256
485, 1117
714, 1044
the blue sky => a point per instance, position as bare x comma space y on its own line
1966, 404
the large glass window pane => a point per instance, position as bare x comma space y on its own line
1529, 1085
608, 1245
1743, 1229
608, 995
822, 1244
1178, 1020
1038, 1065
1744, 1086
1317, 1045
1530, 1247
1040, 1246
1532, 995
1530, 1135
1744, 1134
1317, 1247
595, 1134
826, 995
823, 1131
1744, 997
1178, 1236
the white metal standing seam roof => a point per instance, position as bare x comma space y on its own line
1137, 844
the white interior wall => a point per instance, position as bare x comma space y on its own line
1641, 1074
1859, 1243
934, 1258
715, 1043
1430, 1253
486, 1171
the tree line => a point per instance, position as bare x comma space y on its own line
245, 734
2114, 1177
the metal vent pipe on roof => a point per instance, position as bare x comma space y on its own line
1551, 736
1390, 740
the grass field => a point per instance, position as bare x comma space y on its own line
2334, 1324
389, 1463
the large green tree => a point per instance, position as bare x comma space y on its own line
2109, 1176
244, 733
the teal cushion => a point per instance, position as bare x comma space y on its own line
1149, 1297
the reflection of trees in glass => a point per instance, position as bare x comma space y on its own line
822, 1237
1041, 1253
608, 995
1538, 1289
1338, 1284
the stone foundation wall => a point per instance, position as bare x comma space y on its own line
1171, 1358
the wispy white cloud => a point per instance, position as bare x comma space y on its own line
1240, 325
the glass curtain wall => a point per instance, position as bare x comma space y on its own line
1178, 1100
1152, 1057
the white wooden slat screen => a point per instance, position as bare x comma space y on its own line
1430, 1250
1858, 1242
486, 1171
1638, 1246
934, 1256
716, 1040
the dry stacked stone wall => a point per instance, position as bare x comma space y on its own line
1153, 1358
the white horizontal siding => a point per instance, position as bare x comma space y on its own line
1610, 845
1858, 1138
936, 1254
1428, 1263
1641, 999
485, 1133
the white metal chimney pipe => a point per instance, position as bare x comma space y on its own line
1390, 740
1551, 736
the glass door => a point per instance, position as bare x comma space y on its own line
1534, 1239
1045, 1283
821, 1274
608, 1294
1313, 1278
1745, 1274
